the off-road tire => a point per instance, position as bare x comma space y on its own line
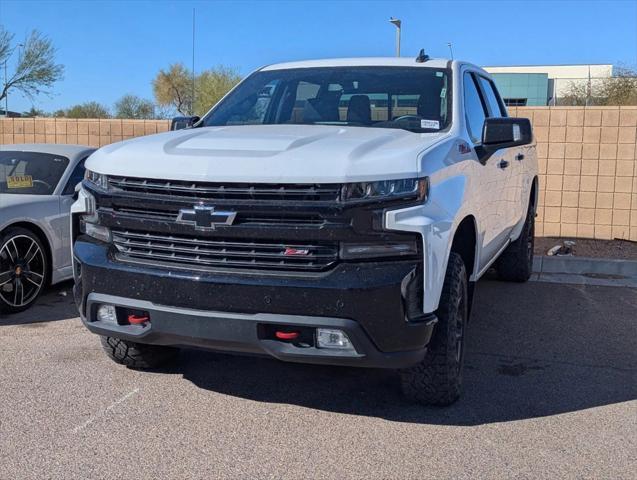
437, 379
138, 356
516, 262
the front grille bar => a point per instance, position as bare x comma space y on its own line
196, 251
297, 192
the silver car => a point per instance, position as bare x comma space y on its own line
37, 188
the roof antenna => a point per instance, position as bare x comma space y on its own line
422, 58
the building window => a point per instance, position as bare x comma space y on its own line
515, 102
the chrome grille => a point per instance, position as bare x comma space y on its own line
230, 191
286, 220
194, 251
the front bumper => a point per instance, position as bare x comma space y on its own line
224, 311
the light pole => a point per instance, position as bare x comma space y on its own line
6, 81
397, 23
450, 49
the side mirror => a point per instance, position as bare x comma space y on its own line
179, 123
506, 132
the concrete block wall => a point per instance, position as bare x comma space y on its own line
95, 133
588, 170
587, 162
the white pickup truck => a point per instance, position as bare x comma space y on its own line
332, 211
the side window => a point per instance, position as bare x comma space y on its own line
474, 109
76, 177
491, 97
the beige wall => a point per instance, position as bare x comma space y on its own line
588, 173
95, 133
587, 159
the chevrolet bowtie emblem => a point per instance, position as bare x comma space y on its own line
204, 217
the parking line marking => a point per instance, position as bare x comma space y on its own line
105, 411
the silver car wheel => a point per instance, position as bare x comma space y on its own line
22, 270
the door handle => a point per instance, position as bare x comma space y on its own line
503, 164
519, 157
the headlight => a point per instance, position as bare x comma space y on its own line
418, 188
98, 179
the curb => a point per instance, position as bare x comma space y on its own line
583, 265
585, 271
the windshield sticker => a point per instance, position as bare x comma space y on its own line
443, 92
438, 74
20, 181
434, 124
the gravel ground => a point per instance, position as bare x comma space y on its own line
587, 247
550, 390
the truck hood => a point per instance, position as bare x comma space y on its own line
268, 154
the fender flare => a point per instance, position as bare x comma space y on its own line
437, 225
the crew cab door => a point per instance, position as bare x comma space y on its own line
510, 205
493, 178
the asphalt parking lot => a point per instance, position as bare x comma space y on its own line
550, 392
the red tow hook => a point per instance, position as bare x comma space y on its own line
286, 335
138, 319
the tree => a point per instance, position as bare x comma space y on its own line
173, 88
575, 94
88, 110
620, 89
212, 85
34, 112
132, 106
36, 70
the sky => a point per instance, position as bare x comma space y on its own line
111, 48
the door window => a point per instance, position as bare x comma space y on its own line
475, 112
491, 97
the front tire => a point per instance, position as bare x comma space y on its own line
138, 356
516, 262
437, 380
24, 269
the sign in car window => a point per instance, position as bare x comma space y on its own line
20, 181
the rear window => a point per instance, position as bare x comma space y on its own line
30, 173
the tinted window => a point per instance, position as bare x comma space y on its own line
492, 100
30, 173
76, 177
474, 110
411, 98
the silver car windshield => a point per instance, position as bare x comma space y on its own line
409, 98
30, 173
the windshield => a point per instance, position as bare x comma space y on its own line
30, 173
411, 98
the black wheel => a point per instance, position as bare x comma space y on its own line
24, 269
437, 380
138, 355
516, 262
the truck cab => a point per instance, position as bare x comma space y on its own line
332, 211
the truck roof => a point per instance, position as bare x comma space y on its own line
361, 62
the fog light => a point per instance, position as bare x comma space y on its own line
96, 231
331, 338
353, 250
107, 313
